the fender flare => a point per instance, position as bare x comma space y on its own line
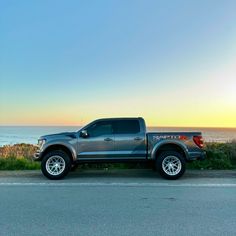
62, 144
170, 142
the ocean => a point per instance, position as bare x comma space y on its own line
30, 134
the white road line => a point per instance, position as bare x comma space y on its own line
119, 184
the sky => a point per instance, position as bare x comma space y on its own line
70, 62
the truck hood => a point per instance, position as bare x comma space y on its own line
59, 135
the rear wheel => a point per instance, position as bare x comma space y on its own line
170, 164
55, 165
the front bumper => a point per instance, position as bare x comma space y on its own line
37, 156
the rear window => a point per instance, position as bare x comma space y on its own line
126, 127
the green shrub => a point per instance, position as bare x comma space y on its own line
18, 163
219, 156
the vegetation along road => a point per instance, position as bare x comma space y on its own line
118, 202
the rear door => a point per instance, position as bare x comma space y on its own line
129, 139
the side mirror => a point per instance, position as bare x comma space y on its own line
84, 134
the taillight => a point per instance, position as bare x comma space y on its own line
198, 140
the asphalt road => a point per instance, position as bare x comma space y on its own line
127, 202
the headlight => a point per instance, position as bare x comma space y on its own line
41, 142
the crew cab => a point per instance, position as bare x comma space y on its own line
118, 140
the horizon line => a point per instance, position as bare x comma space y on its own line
213, 127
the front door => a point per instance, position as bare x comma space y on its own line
99, 143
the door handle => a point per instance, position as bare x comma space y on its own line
137, 138
107, 139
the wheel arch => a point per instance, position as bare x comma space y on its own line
60, 147
169, 146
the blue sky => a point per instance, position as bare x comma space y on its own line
67, 62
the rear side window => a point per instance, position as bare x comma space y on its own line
126, 127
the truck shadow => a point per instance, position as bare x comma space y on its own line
147, 174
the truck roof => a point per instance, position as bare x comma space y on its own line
119, 118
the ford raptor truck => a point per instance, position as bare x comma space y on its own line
118, 140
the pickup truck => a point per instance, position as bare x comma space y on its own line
118, 140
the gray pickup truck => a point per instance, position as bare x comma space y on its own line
118, 140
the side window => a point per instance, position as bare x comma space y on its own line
126, 127
99, 128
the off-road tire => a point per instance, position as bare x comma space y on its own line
179, 163
66, 162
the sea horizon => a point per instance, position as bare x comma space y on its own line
13, 134
151, 126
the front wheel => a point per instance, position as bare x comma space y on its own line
55, 165
170, 164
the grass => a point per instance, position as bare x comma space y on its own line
18, 157
220, 156
18, 163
